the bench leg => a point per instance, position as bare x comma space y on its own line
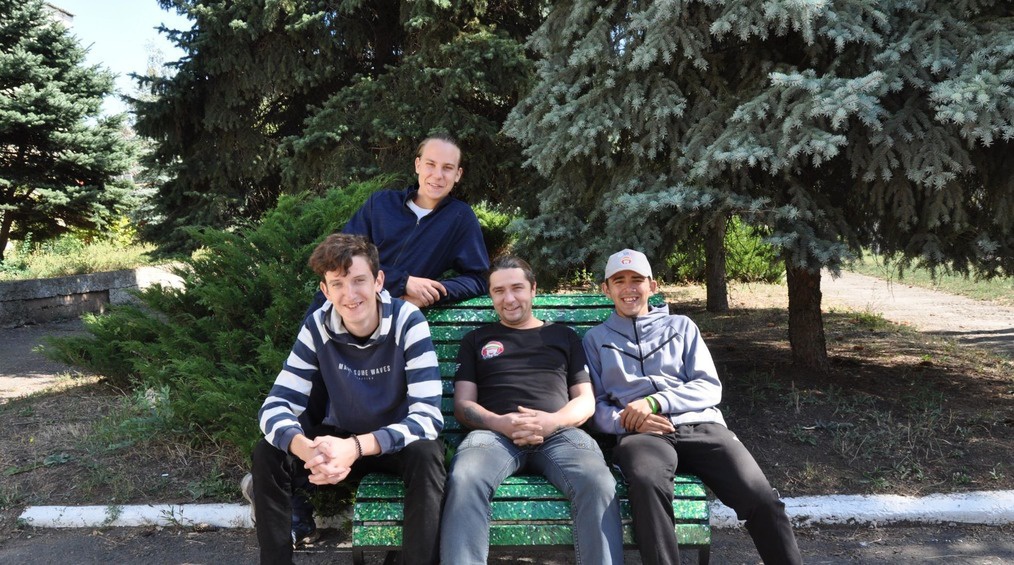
392, 557
704, 555
357, 557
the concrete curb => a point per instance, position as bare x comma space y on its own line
985, 507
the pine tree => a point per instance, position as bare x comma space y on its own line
59, 161
837, 125
288, 96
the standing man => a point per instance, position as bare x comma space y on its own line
370, 361
522, 385
423, 232
656, 387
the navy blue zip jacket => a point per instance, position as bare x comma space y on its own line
447, 239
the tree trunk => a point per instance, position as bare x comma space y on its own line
806, 325
714, 265
5, 232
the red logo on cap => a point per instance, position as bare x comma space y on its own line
626, 261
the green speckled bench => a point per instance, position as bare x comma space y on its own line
529, 513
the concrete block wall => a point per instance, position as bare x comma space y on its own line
42, 300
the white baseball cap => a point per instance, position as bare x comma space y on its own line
628, 260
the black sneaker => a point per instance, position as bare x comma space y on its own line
304, 531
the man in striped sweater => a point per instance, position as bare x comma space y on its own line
364, 370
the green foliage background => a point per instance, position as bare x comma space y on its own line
281, 97
75, 253
219, 344
748, 258
838, 125
61, 162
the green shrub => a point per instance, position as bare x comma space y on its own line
218, 344
748, 258
494, 221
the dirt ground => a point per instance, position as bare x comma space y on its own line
895, 545
904, 412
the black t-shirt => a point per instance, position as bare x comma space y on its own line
534, 368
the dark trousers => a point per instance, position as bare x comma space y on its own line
713, 453
420, 465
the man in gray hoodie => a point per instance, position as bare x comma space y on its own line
657, 389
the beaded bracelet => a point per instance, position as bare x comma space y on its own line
359, 447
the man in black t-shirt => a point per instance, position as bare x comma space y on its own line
522, 386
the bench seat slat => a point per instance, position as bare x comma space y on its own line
593, 300
447, 370
515, 486
574, 300
522, 510
380, 537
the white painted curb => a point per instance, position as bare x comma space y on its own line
984, 507
215, 515
989, 507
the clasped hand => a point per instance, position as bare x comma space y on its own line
331, 459
529, 427
638, 417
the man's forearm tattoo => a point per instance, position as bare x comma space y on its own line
473, 418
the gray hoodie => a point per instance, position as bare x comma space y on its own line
659, 354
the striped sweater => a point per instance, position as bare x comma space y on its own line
388, 386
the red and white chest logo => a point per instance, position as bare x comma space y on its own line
492, 349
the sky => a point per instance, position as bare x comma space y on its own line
117, 34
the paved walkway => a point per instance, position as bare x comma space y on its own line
23, 370
967, 321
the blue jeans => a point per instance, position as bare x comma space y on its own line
570, 459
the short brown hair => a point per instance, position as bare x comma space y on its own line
446, 138
336, 252
504, 262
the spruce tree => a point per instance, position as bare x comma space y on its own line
836, 125
59, 161
275, 97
